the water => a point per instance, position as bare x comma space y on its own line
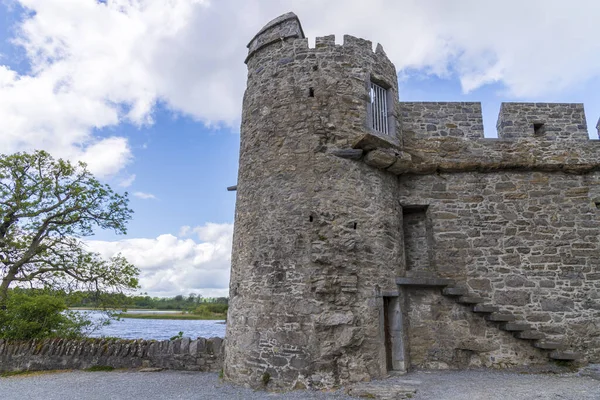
158, 329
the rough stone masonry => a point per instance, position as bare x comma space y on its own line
373, 235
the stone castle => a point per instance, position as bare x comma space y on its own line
373, 235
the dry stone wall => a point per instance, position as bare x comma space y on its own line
182, 354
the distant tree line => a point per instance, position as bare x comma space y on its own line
121, 300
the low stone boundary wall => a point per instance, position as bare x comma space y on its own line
182, 354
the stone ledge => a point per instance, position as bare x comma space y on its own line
401, 281
372, 141
448, 154
383, 390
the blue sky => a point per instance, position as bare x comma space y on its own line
148, 93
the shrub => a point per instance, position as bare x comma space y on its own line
39, 316
207, 309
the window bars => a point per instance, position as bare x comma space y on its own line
379, 109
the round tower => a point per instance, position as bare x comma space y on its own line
317, 239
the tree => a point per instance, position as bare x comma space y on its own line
46, 207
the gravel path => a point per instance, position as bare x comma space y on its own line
165, 385
499, 385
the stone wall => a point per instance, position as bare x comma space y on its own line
547, 121
529, 241
442, 334
441, 119
182, 354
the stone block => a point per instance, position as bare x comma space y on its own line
381, 159
557, 304
565, 355
332, 318
471, 300
500, 317
530, 335
512, 297
485, 308
382, 391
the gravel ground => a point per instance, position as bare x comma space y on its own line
165, 385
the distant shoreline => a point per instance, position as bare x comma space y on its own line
127, 308
140, 313
215, 317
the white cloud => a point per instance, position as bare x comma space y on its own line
143, 195
127, 181
98, 64
171, 265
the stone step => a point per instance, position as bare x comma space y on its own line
485, 308
455, 291
500, 317
565, 355
530, 335
471, 300
546, 345
515, 327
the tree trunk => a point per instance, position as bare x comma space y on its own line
6, 281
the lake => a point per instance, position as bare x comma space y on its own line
158, 329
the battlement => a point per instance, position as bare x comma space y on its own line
442, 119
287, 27
549, 121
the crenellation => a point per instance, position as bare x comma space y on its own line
325, 41
543, 121
442, 119
353, 41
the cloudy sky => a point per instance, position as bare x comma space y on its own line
148, 93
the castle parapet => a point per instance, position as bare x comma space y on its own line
442, 119
548, 121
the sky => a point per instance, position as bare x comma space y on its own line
148, 93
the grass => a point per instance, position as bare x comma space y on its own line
8, 374
174, 316
100, 368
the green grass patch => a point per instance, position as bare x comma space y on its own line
8, 374
174, 316
15, 373
100, 368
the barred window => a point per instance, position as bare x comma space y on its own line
379, 109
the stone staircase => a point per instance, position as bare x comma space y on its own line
508, 322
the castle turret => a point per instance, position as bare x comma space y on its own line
317, 239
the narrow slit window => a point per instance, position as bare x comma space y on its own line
379, 109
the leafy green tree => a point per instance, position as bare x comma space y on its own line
46, 207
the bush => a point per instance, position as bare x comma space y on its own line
39, 316
207, 309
